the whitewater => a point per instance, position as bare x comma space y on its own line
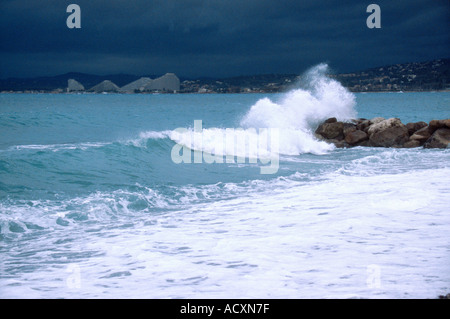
92, 204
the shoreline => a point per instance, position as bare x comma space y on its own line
200, 93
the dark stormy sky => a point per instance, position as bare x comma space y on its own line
216, 38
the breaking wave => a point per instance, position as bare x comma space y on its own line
298, 112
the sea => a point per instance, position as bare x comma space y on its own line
162, 196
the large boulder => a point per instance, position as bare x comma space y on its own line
338, 143
355, 137
439, 139
358, 120
348, 128
412, 144
331, 130
421, 135
434, 125
437, 124
414, 127
446, 123
363, 125
388, 133
376, 120
384, 124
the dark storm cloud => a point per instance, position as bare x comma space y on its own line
216, 38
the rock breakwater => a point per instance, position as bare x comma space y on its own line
381, 132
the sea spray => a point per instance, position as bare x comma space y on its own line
297, 113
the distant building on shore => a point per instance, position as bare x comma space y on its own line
136, 86
74, 86
169, 82
105, 86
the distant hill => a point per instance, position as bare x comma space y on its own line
414, 76
417, 76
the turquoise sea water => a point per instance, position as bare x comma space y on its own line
92, 204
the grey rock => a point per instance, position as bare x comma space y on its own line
446, 123
388, 133
436, 124
414, 127
412, 144
348, 128
365, 143
363, 126
358, 120
376, 120
384, 124
355, 137
339, 143
439, 139
334, 130
421, 135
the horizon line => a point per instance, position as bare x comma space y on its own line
213, 77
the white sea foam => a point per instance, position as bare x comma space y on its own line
154, 134
141, 140
58, 147
293, 240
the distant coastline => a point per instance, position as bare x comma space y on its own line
193, 93
407, 77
